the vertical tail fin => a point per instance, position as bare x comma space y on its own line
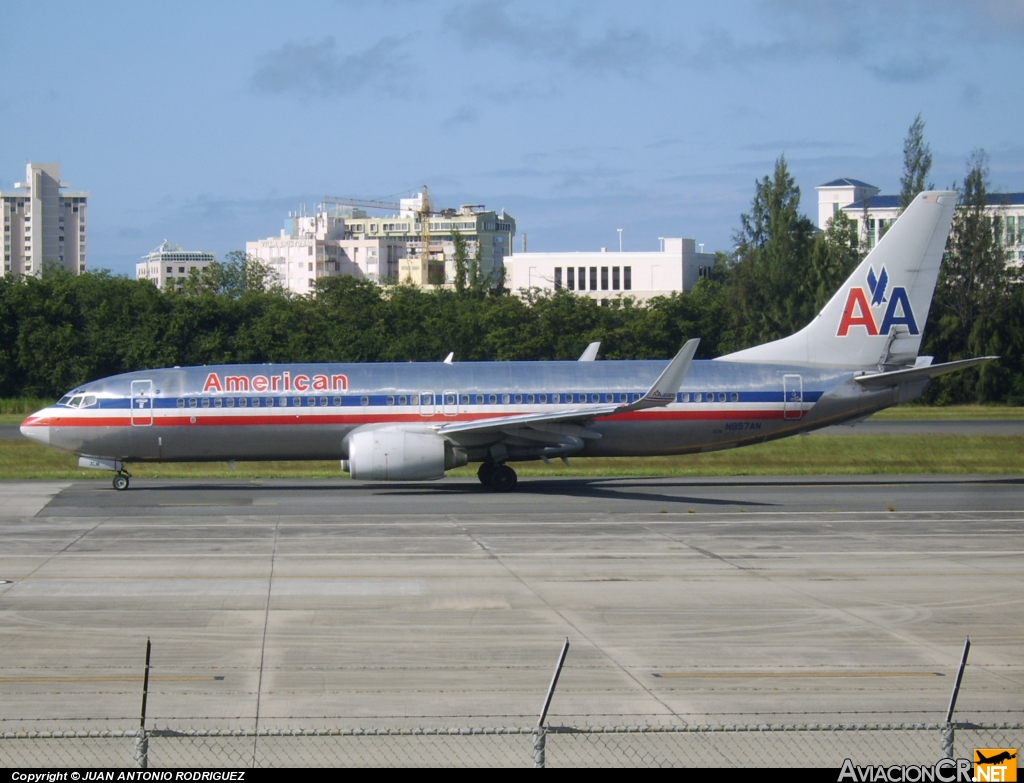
877, 315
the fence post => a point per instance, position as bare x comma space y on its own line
948, 731
142, 739
540, 736
540, 733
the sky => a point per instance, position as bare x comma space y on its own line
206, 123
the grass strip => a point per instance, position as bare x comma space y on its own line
821, 454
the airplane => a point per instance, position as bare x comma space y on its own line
414, 421
1005, 755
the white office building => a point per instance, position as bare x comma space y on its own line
602, 275
170, 264
42, 224
874, 212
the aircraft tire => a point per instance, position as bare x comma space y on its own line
503, 479
485, 472
120, 482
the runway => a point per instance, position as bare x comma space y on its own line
340, 603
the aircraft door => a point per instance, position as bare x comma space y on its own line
792, 396
450, 403
142, 403
426, 403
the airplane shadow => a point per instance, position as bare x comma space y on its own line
607, 488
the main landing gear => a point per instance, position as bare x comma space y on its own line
121, 480
500, 478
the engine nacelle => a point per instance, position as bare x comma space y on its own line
399, 455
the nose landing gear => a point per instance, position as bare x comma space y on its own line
121, 480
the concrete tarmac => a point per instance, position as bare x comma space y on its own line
340, 603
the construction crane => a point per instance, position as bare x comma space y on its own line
424, 213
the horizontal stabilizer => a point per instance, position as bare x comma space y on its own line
885, 380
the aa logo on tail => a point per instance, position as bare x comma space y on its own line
859, 312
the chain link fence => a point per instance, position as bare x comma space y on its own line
825, 745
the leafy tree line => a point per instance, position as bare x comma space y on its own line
60, 330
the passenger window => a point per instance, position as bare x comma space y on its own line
218, 403
181, 402
529, 398
231, 402
391, 400
506, 399
710, 396
402, 399
721, 396
464, 399
449, 399
255, 402
414, 399
323, 402
492, 399
192, 402
696, 396
735, 396
543, 399
311, 402
684, 397
364, 400
297, 402
479, 399
242, 402
337, 401
206, 402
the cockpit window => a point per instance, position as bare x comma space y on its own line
75, 402
64, 400
88, 401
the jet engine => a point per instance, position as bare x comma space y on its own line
400, 455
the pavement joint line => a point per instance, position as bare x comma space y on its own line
266, 626
599, 648
126, 678
759, 675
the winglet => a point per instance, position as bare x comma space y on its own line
667, 386
590, 354
449, 357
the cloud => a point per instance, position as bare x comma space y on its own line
612, 50
792, 144
318, 70
466, 115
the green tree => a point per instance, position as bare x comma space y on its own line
767, 292
917, 163
975, 295
836, 253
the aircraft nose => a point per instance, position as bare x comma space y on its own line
34, 429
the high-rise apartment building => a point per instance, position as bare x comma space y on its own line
42, 224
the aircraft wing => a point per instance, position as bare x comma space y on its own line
660, 394
884, 380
